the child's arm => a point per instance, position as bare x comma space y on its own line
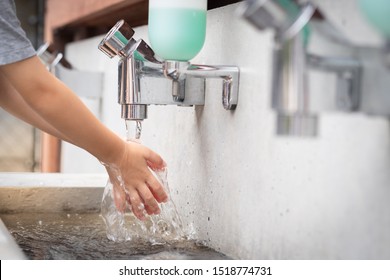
62, 109
12, 102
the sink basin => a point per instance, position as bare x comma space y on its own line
58, 217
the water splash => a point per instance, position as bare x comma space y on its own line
157, 229
61, 238
161, 228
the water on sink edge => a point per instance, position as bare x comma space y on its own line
63, 236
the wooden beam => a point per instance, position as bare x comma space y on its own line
61, 13
94, 17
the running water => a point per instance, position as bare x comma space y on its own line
157, 229
129, 131
138, 130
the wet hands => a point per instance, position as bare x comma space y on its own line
134, 184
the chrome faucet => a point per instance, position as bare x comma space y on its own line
50, 60
291, 61
119, 41
138, 61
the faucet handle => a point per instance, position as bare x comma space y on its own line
116, 40
146, 52
262, 13
286, 17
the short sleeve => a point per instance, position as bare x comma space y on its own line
14, 44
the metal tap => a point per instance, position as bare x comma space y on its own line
119, 41
138, 62
291, 61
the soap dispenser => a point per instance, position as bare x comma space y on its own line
177, 29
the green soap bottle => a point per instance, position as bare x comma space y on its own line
378, 14
177, 28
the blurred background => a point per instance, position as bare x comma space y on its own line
19, 142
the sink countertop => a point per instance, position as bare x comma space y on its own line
17, 179
9, 249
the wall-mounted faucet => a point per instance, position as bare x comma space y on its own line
294, 25
50, 60
138, 61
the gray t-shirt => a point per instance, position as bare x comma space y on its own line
14, 44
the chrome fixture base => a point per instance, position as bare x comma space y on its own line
138, 63
230, 75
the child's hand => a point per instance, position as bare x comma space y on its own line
134, 183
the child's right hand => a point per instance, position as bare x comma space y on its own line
133, 182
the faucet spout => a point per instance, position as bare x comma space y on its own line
129, 91
290, 96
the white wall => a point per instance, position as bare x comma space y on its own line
88, 86
248, 192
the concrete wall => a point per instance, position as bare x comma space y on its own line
252, 194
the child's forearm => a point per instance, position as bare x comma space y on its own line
12, 102
62, 109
